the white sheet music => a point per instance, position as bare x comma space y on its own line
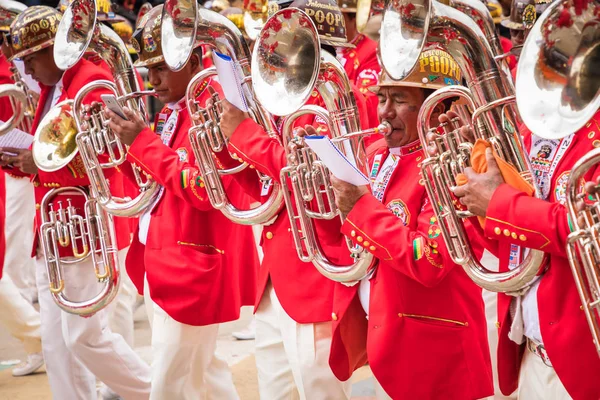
16, 138
230, 80
338, 164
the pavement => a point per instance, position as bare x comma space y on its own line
239, 354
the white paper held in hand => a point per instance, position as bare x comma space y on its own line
230, 80
16, 138
335, 161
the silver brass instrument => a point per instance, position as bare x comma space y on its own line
23, 101
287, 65
90, 235
78, 32
427, 23
559, 68
583, 244
183, 26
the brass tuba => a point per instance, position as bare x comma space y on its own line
559, 68
91, 235
287, 66
183, 26
23, 101
78, 31
407, 28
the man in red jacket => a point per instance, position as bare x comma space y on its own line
545, 348
200, 268
294, 301
76, 350
418, 320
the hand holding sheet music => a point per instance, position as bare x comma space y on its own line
335, 161
230, 80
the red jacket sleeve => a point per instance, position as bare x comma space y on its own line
373, 226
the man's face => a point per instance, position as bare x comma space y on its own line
171, 86
400, 107
517, 37
42, 68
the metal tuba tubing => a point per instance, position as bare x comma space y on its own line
94, 136
206, 138
18, 102
583, 244
96, 226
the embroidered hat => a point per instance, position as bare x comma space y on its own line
435, 69
33, 30
146, 38
328, 19
522, 15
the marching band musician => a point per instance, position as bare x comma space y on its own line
424, 334
200, 268
545, 348
360, 63
77, 350
294, 301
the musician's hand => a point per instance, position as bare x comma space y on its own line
232, 117
478, 191
465, 131
308, 130
347, 194
23, 159
126, 130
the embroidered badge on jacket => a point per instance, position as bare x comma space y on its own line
182, 153
400, 210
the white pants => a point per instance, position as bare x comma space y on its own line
120, 310
18, 233
537, 381
490, 300
293, 359
185, 365
19, 317
78, 350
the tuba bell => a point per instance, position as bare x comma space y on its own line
559, 67
183, 26
430, 24
287, 65
79, 31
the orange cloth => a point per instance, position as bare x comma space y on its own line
509, 172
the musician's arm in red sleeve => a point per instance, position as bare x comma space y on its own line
412, 252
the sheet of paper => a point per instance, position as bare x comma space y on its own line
16, 138
230, 80
338, 164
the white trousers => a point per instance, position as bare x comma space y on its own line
293, 359
185, 365
121, 309
19, 317
537, 381
78, 350
18, 231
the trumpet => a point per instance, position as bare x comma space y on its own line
91, 235
183, 26
289, 64
494, 118
77, 32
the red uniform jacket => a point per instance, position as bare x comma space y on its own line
513, 217
362, 67
74, 173
426, 332
201, 267
5, 77
305, 294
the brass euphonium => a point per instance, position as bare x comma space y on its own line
184, 26
91, 235
77, 33
407, 28
23, 101
288, 64
558, 75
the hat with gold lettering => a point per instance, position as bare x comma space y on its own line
328, 19
435, 69
33, 30
146, 38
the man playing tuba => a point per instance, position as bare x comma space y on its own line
77, 350
419, 315
195, 267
